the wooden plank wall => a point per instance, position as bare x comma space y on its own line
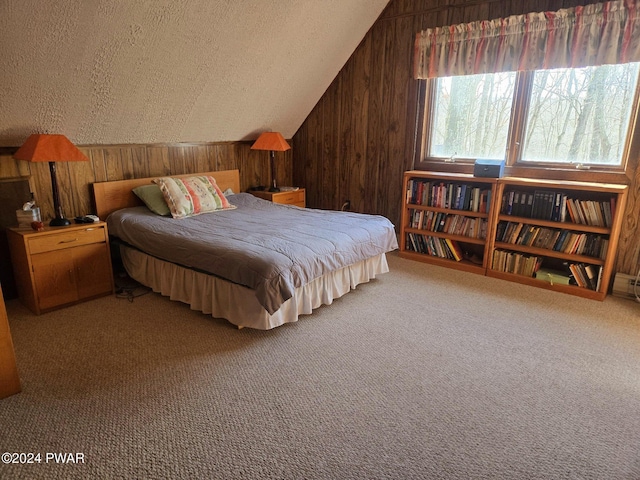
360, 137
119, 162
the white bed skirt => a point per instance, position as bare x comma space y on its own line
238, 304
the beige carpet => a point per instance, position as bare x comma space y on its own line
423, 373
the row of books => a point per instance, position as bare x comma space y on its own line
586, 276
567, 241
434, 246
456, 196
449, 223
558, 207
581, 274
514, 262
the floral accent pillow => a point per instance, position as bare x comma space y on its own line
189, 196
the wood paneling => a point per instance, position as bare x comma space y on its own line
359, 139
120, 162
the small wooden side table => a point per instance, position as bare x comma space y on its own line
61, 265
291, 197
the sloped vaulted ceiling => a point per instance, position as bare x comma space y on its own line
152, 71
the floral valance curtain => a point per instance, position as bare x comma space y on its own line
597, 34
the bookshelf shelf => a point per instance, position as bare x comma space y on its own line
562, 225
457, 238
449, 211
543, 252
463, 265
564, 232
570, 289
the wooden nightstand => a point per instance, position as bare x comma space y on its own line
294, 197
61, 265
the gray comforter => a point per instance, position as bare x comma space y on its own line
269, 248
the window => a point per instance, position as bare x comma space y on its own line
471, 115
580, 115
561, 117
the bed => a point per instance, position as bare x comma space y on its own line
254, 263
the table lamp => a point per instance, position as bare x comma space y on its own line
274, 142
51, 148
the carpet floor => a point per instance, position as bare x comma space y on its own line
423, 373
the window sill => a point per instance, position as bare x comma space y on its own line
591, 175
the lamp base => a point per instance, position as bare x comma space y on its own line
59, 222
274, 189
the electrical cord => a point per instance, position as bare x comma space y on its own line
130, 293
129, 288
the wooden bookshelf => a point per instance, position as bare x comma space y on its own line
592, 223
567, 227
447, 205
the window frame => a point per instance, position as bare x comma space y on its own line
513, 153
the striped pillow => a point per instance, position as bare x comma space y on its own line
189, 196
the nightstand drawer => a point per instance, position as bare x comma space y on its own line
66, 239
294, 197
290, 198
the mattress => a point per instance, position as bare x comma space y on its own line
269, 248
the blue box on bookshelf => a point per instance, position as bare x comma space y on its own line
487, 167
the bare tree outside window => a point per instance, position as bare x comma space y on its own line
472, 113
580, 115
573, 115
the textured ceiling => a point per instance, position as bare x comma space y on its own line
153, 71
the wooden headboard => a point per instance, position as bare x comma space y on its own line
112, 196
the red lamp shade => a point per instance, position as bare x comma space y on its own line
51, 148
274, 142
271, 141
